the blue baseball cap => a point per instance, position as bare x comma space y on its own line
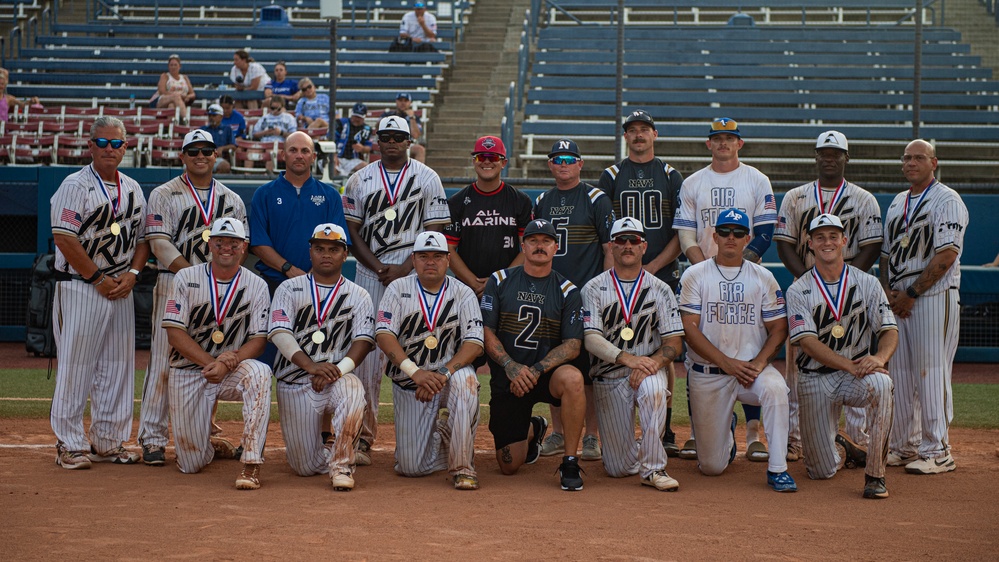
733, 217
359, 110
404, 95
564, 146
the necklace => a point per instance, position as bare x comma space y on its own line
715, 259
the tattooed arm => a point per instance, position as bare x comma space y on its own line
942, 261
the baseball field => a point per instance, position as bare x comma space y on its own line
133, 512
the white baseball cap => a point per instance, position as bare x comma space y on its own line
228, 227
215, 109
832, 139
627, 225
825, 219
393, 123
430, 242
196, 136
330, 232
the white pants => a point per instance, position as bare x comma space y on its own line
192, 398
856, 418
372, 369
154, 412
302, 410
616, 402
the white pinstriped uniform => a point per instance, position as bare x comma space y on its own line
860, 214
927, 339
706, 193
191, 397
421, 203
420, 448
733, 304
95, 337
301, 408
822, 390
173, 215
654, 319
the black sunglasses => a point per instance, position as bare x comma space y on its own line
205, 151
276, 108
394, 137
725, 232
103, 143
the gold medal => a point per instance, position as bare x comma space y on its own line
218, 336
905, 241
318, 337
205, 235
838, 331
627, 334
115, 228
390, 215
430, 342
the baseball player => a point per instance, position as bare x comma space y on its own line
97, 224
582, 216
861, 216
726, 183
323, 324
921, 272
533, 321
487, 219
648, 189
216, 323
388, 203
734, 324
633, 331
834, 311
178, 223
430, 328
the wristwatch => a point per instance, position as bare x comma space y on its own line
445, 371
911, 292
286, 267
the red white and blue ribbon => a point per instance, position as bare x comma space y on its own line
835, 304
835, 198
392, 187
117, 179
431, 312
905, 207
627, 301
323, 307
207, 211
221, 306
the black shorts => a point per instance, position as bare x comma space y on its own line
510, 416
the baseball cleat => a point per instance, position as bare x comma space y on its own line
249, 478
591, 449
118, 455
465, 482
781, 482
661, 481
71, 460
553, 445
896, 459
153, 455
540, 425
874, 488
224, 449
757, 452
342, 482
856, 456
669, 444
938, 465
689, 450
569, 474
794, 453
362, 457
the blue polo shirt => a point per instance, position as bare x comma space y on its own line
284, 220
222, 135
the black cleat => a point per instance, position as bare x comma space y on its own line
874, 488
856, 457
540, 425
669, 443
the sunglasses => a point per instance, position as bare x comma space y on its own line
309, 87
393, 137
625, 240
724, 124
276, 108
103, 143
205, 151
725, 232
488, 157
569, 160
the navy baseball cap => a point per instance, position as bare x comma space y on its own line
404, 95
564, 146
640, 116
540, 226
724, 125
733, 217
359, 110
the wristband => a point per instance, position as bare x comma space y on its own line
537, 367
408, 367
911, 292
103, 278
134, 272
93, 277
346, 365
508, 361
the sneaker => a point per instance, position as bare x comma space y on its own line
553, 445
540, 425
669, 443
342, 482
569, 474
689, 450
874, 488
362, 457
781, 482
224, 449
465, 482
794, 453
591, 449
938, 465
896, 459
118, 455
153, 455
856, 457
71, 460
249, 478
661, 481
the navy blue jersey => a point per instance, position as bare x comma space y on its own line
582, 217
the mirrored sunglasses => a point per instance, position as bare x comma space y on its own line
103, 143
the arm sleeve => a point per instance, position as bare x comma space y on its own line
762, 237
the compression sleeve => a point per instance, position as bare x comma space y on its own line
688, 239
763, 235
286, 344
599, 346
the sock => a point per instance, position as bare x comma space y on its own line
669, 419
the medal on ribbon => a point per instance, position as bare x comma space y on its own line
392, 189
115, 227
220, 306
627, 302
835, 304
432, 312
835, 198
322, 307
206, 210
905, 211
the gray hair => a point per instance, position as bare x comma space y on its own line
107, 121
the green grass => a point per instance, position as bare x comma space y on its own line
974, 404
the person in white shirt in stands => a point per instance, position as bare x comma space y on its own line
247, 75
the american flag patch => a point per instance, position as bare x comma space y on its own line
72, 217
154, 220
586, 315
781, 221
796, 321
172, 307
348, 204
769, 203
279, 316
384, 316
486, 303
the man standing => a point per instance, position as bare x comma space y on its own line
861, 217
283, 209
921, 272
834, 312
582, 216
633, 330
353, 141
98, 226
646, 188
734, 324
388, 203
533, 322
404, 108
723, 184
419, 26
323, 324
223, 137
216, 322
430, 328
179, 218
488, 218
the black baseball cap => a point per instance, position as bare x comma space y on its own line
564, 146
540, 226
639, 115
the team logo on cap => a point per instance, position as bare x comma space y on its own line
638, 113
488, 143
831, 139
539, 224
628, 223
563, 145
431, 241
733, 215
226, 226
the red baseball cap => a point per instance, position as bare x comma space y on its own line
492, 145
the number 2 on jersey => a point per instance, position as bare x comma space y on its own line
532, 315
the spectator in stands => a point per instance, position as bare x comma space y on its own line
232, 118
353, 141
7, 101
417, 31
404, 109
283, 86
275, 125
174, 89
247, 75
313, 109
222, 134
993, 263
